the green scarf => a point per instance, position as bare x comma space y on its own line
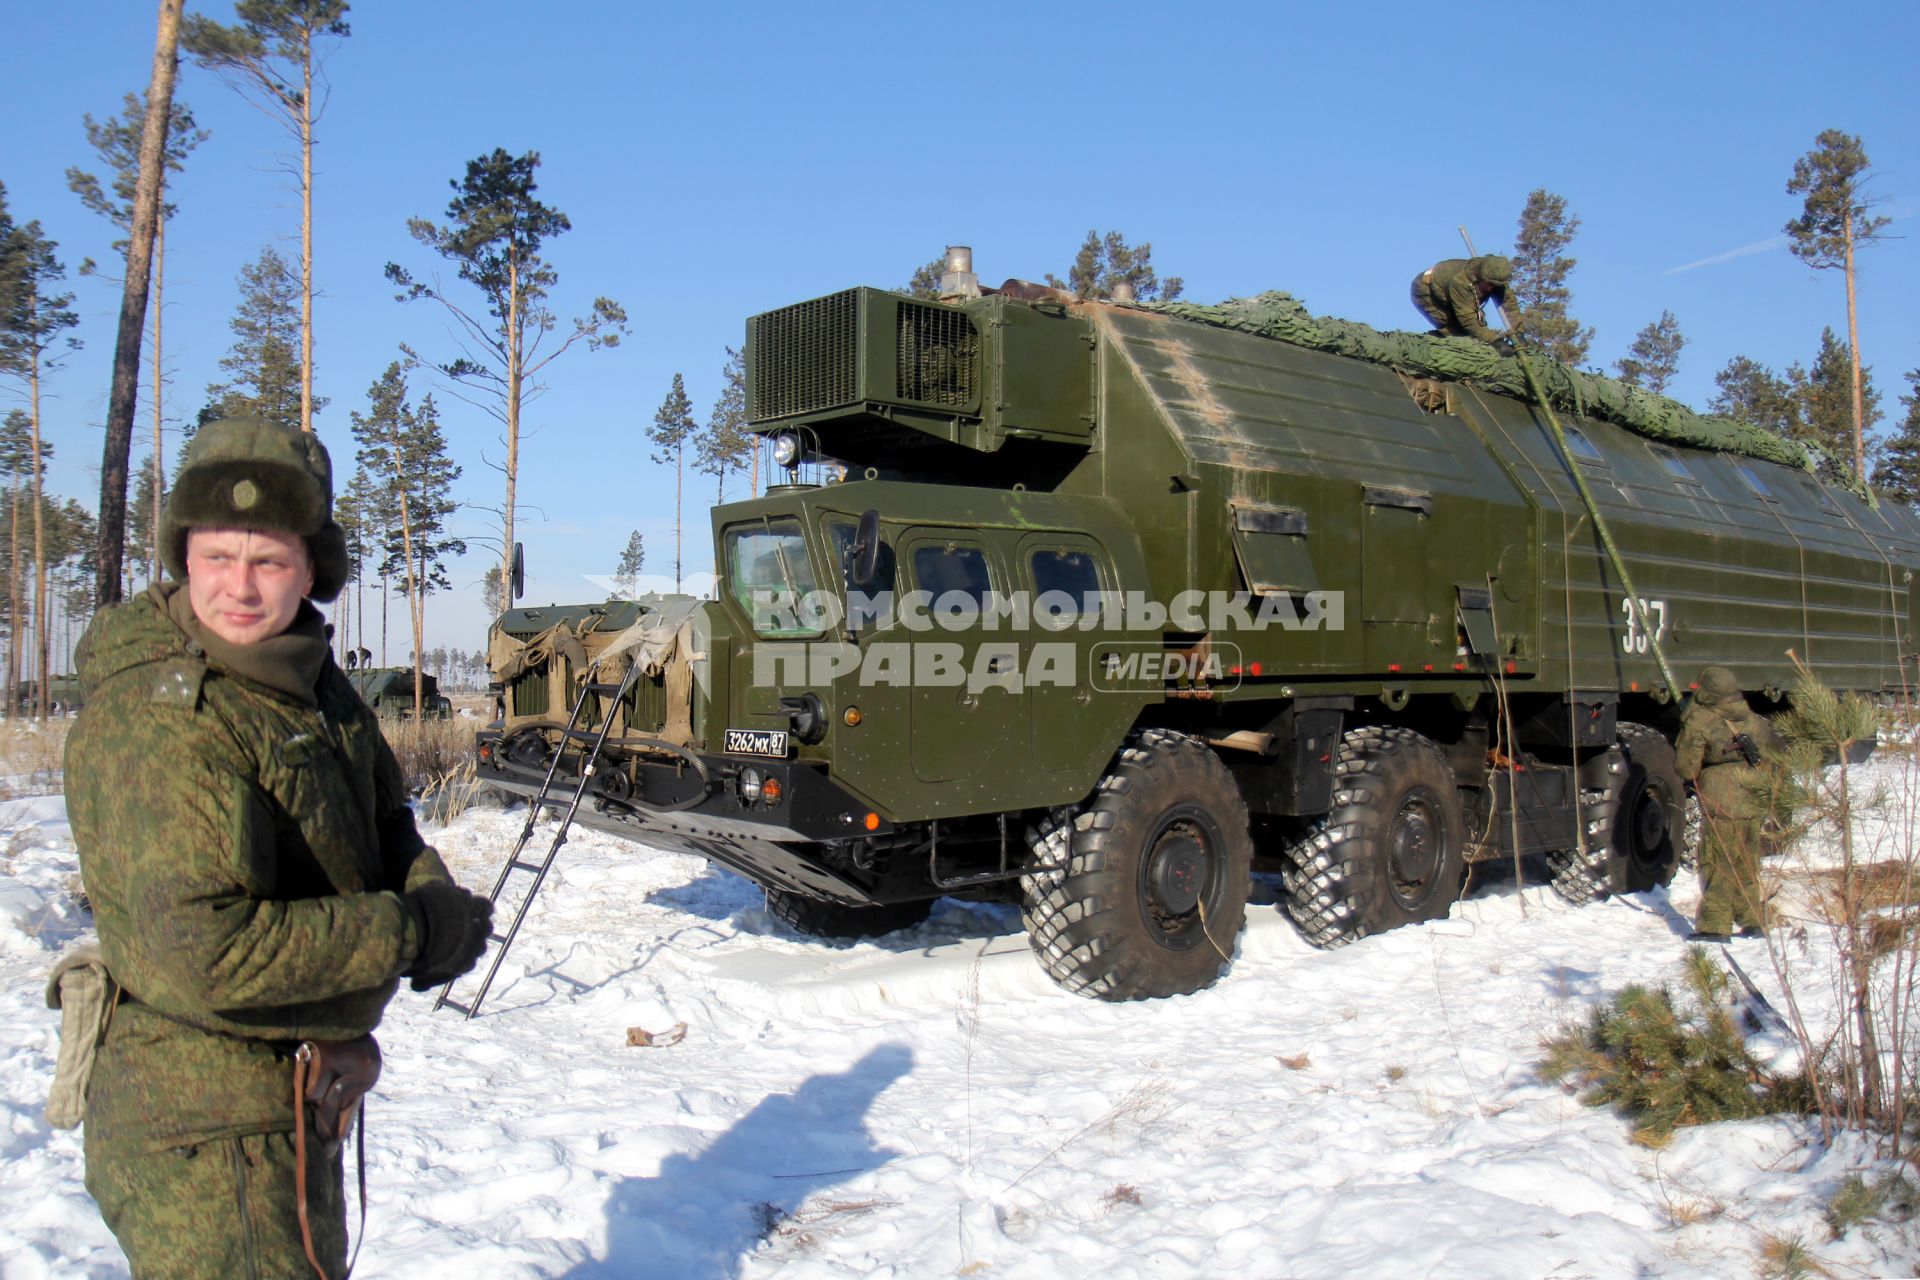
288, 663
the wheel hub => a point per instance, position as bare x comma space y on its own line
1414, 849
1649, 823
1177, 873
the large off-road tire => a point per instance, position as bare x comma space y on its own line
1639, 833
1141, 892
1392, 849
819, 918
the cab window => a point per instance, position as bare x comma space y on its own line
940, 570
1066, 583
772, 577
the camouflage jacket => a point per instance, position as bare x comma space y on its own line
1706, 755
243, 850
1451, 291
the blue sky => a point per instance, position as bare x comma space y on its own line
720, 160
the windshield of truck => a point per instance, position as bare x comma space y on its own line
772, 577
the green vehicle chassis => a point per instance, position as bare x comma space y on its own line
1110, 605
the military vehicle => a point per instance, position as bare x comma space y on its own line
1286, 604
389, 691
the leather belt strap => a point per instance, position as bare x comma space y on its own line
306, 1068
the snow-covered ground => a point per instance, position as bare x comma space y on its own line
930, 1105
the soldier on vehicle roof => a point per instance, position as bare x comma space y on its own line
1720, 751
254, 870
1450, 295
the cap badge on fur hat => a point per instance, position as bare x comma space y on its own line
245, 494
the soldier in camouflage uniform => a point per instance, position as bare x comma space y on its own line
254, 870
1450, 295
1719, 751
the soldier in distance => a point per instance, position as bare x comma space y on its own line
1719, 750
254, 871
1451, 294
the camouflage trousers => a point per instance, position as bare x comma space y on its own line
222, 1210
1436, 315
1731, 894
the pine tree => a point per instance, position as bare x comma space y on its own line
1751, 392
33, 344
404, 451
263, 365
142, 519
117, 440
627, 571
1103, 263
494, 231
16, 464
356, 512
494, 590
1539, 291
1836, 222
1654, 357
925, 281
672, 427
1824, 396
270, 57
726, 444
1898, 472
117, 142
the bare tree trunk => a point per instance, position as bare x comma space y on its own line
513, 432
414, 602
677, 469
14, 603
110, 548
159, 468
1853, 344
41, 637
306, 236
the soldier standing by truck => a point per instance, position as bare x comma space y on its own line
255, 874
1719, 751
1451, 295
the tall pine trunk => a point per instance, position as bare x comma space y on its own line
513, 430
1853, 350
306, 235
414, 601
111, 544
13, 601
42, 637
159, 468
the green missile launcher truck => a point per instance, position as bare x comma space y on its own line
1091, 605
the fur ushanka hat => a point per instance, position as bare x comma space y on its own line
243, 474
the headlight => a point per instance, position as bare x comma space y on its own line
751, 781
786, 450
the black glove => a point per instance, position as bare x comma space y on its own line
1745, 746
453, 925
1505, 347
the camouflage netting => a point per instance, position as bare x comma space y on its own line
1282, 316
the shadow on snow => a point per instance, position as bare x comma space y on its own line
703, 1214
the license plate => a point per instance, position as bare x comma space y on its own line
757, 742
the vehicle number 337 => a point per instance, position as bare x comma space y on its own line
1649, 613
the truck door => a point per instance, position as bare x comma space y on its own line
965, 662
1069, 721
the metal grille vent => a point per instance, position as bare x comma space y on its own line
935, 356
805, 357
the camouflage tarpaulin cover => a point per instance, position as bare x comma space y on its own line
1282, 316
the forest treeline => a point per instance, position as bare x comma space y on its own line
511, 322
